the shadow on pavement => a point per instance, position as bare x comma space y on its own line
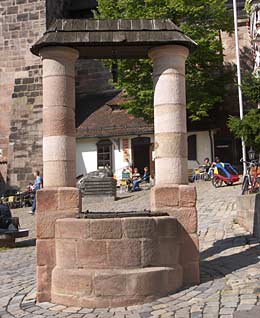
123, 197
227, 264
228, 243
25, 243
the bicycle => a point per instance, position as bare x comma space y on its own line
251, 182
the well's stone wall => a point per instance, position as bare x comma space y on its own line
115, 262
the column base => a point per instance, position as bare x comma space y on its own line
52, 204
179, 201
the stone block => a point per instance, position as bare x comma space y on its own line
45, 221
173, 170
77, 282
160, 252
190, 249
171, 145
172, 121
164, 198
47, 199
92, 254
58, 90
45, 252
59, 175
59, 148
69, 198
108, 283
149, 252
191, 274
66, 253
124, 253
167, 227
168, 253
140, 227
147, 282
59, 121
66, 300
174, 279
42, 297
43, 274
187, 218
106, 229
72, 228
187, 196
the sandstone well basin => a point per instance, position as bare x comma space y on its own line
116, 262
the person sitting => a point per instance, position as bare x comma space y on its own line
207, 164
136, 180
146, 176
126, 178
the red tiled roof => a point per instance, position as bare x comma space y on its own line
111, 120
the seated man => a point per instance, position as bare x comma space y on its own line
146, 176
138, 179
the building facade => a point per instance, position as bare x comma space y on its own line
111, 137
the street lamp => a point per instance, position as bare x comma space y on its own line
251, 154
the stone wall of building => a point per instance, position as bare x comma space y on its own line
21, 24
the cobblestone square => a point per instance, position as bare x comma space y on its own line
230, 267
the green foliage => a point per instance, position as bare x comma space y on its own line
248, 6
251, 88
202, 20
248, 128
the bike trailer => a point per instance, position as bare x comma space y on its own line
225, 173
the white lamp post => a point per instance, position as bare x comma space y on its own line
241, 111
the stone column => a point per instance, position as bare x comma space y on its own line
59, 143
170, 114
59, 198
172, 193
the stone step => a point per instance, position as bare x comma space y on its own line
114, 287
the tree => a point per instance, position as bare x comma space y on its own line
202, 20
249, 127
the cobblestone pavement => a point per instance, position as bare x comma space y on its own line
230, 268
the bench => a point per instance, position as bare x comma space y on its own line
7, 238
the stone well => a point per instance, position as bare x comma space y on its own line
116, 261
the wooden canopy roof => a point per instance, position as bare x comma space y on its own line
112, 38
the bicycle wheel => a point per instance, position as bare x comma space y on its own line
245, 186
217, 182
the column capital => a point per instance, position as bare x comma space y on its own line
59, 52
166, 50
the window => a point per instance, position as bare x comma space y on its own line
192, 147
104, 153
